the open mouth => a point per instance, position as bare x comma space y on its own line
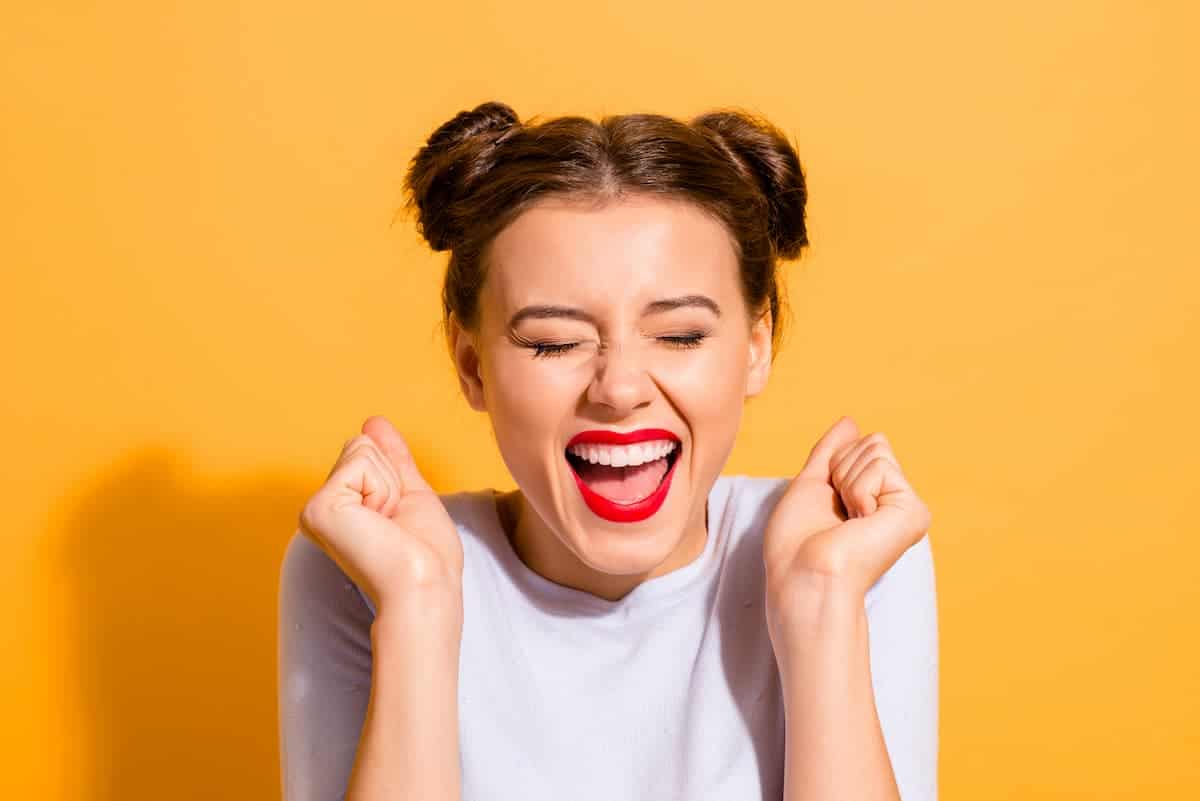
627, 485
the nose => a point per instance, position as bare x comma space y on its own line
620, 382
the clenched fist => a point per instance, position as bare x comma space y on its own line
379, 520
848, 515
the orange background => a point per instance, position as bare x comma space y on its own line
204, 297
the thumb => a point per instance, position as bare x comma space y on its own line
389, 441
841, 434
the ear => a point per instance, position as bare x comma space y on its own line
467, 363
760, 354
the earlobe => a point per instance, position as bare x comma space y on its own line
467, 364
756, 382
760, 355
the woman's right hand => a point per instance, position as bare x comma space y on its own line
382, 523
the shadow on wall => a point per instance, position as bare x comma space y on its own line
176, 582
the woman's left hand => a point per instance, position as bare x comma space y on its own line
844, 519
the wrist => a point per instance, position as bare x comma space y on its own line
810, 596
811, 610
427, 614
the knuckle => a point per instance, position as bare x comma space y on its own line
309, 513
355, 442
360, 459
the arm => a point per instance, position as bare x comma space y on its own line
324, 679
341, 678
861, 687
410, 746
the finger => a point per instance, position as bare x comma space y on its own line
888, 487
359, 475
338, 461
393, 446
841, 434
864, 490
873, 447
385, 465
844, 459
386, 499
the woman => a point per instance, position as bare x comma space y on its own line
628, 623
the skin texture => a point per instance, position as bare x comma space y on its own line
844, 519
622, 374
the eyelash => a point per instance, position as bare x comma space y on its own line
551, 349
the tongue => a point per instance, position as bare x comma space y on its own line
622, 484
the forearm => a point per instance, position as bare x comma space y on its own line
835, 747
409, 745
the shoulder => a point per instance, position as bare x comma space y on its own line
308, 574
745, 506
909, 582
745, 503
313, 586
760, 488
306, 566
475, 517
468, 508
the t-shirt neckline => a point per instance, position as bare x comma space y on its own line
652, 593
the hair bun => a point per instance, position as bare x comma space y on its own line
454, 157
485, 119
764, 155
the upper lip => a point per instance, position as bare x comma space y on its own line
606, 437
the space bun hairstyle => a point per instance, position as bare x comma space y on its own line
479, 170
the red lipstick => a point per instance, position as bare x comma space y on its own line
625, 512
603, 437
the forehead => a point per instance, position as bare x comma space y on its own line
626, 252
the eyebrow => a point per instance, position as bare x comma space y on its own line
544, 312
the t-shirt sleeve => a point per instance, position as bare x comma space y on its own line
903, 632
324, 679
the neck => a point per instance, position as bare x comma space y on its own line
545, 554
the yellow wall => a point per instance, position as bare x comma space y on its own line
203, 298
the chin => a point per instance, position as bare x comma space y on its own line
621, 552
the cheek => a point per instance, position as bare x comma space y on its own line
521, 434
528, 403
710, 394
706, 385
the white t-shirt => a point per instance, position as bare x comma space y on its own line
669, 694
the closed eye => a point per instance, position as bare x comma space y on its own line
685, 340
551, 349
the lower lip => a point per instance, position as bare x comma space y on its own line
626, 512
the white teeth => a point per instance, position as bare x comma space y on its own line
624, 455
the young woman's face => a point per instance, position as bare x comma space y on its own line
594, 323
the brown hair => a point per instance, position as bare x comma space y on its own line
483, 167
